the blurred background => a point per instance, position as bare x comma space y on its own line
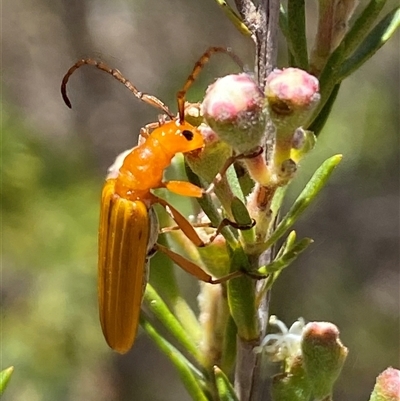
53, 165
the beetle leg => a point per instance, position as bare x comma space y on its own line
193, 269
176, 227
184, 188
225, 223
248, 155
182, 223
189, 229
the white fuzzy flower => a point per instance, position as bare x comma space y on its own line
284, 345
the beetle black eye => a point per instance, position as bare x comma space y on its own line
187, 134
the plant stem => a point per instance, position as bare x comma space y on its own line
264, 26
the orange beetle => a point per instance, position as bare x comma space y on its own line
128, 224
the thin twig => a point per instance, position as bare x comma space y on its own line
267, 42
263, 22
266, 39
245, 8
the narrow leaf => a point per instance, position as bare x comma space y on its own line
333, 69
372, 43
241, 298
5, 376
209, 207
158, 307
319, 122
286, 259
362, 26
190, 376
242, 217
278, 200
283, 25
240, 212
311, 190
297, 32
228, 358
235, 19
224, 387
164, 280
328, 80
288, 244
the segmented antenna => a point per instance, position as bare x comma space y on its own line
145, 97
196, 71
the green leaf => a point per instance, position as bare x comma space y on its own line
5, 376
319, 122
164, 278
240, 212
210, 209
278, 264
334, 71
372, 43
242, 217
267, 284
241, 298
233, 183
158, 307
297, 32
362, 26
288, 244
235, 19
283, 22
224, 387
328, 80
284, 26
228, 358
278, 200
191, 377
311, 190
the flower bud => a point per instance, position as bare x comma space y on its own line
292, 95
303, 141
234, 108
323, 356
387, 386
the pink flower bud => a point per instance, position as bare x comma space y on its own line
234, 108
387, 387
292, 96
290, 89
323, 356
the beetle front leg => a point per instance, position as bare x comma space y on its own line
248, 155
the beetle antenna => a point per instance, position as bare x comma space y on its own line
196, 70
145, 97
